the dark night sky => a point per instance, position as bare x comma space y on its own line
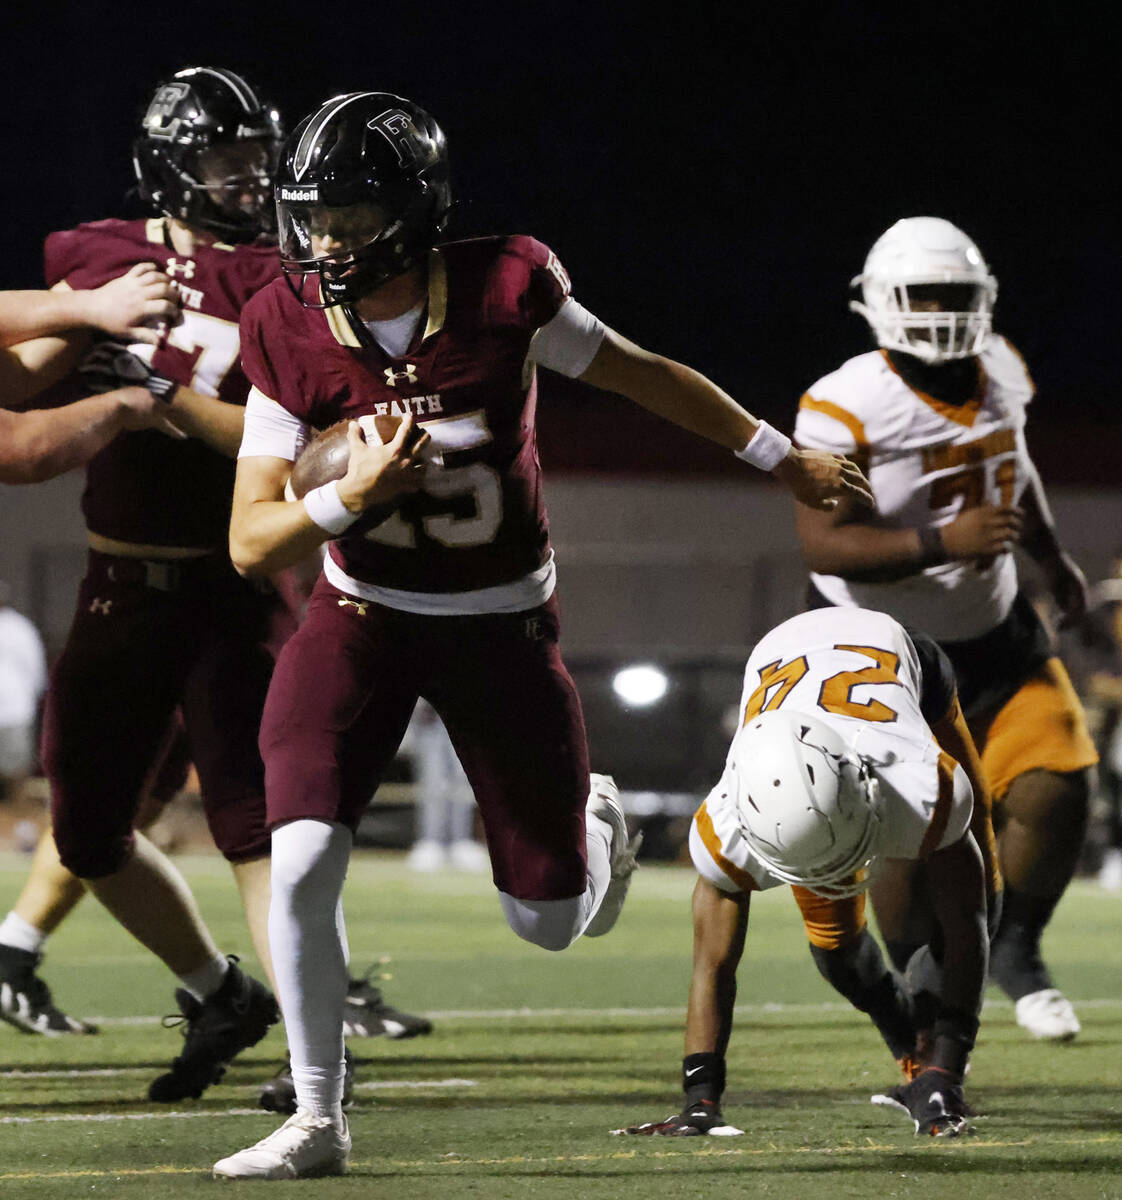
710, 180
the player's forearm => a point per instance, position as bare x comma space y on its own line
1038, 533
670, 390
685, 396
38, 445
720, 923
211, 420
957, 881
28, 314
33, 366
860, 552
709, 1013
271, 535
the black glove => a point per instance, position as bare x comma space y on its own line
933, 1100
111, 365
695, 1120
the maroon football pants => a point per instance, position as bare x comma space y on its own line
146, 639
345, 687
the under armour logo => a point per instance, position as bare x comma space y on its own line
409, 375
101, 606
188, 268
532, 629
361, 605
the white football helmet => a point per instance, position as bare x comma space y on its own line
918, 251
808, 806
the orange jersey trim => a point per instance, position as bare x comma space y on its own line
964, 414
829, 409
712, 843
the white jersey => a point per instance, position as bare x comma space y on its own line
927, 461
859, 673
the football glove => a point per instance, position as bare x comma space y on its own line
695, 1120
111, 365
933, 1100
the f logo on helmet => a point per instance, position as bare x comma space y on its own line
396, 127
162, 108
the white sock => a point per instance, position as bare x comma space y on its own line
556, 924
308, 942
21, 935
207, 979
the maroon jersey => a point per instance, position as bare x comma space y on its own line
145, 486
479, 520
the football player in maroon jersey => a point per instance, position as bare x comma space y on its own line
163, 621
449, 597
38, 445
195, 633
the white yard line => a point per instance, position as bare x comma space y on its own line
382, 1085
503, 1014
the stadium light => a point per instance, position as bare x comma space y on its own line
641, 685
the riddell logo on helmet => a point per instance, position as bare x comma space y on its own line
305, 194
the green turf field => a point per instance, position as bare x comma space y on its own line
535, 1057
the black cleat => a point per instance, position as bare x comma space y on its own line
236, 1017
366, 1013
25, 999
279, 1094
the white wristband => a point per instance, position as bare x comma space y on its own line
767, 449
328, 510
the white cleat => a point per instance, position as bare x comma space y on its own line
1048, 1014
603, 802
304, 1147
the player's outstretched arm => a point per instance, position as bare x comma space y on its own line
720, 924
40, 444
689, 399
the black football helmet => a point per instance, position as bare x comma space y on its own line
363, 192
191, 116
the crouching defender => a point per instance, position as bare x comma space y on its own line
851, 770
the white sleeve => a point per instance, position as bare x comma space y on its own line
271, 430
823, 425
568, 343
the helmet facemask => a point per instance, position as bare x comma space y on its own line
363, 194
207, 154
348, 249
926, 291
228, 188
902, 319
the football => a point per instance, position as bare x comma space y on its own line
326, 456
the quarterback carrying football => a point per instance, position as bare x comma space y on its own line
166, 632
451, 597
